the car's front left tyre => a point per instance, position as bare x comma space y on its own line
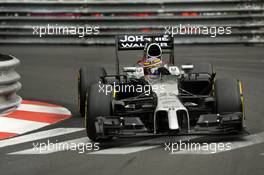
97, 104
87, 76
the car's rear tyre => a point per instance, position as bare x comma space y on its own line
97, 104
229, 96
87, 76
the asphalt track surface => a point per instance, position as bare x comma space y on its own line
49, 74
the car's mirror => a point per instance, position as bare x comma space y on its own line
136, 72
174, 70
139, 72
129, 69
187, 67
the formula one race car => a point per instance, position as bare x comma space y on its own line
156, 97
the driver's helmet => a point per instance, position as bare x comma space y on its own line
152, 59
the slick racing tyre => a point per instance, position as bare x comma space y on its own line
97, 104
229, 96
87, 76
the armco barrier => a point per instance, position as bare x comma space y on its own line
9, 84
17, 19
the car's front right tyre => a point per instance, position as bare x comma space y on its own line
229, 97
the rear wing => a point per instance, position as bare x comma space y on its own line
138, 42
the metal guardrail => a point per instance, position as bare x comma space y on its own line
9, 84
17, 19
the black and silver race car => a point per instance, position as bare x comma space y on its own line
186, 99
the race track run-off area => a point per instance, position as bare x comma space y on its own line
49, 116
29, 116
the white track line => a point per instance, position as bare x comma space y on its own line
38, 136
246, 141
146, 145
166, 139
18, 126
53, 149
124, 150
44, 109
